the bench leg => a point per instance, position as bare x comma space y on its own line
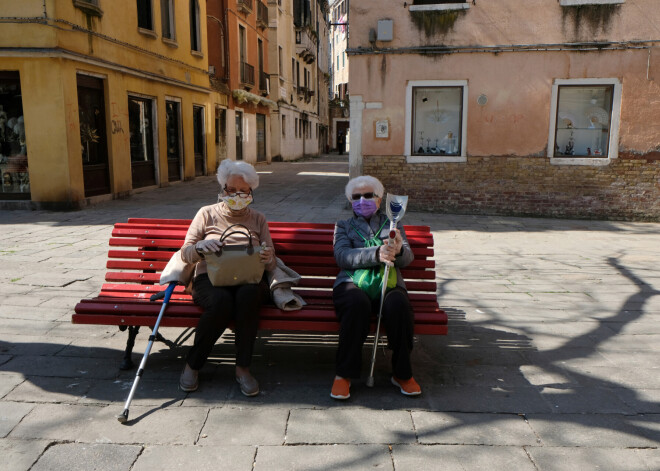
127, 363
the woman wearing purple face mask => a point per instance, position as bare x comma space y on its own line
361, 242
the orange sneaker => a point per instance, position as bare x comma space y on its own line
341, 389
409, 387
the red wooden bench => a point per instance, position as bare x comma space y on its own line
145, 245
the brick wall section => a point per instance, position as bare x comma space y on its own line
626, 189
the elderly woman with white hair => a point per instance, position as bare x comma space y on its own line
221, 304
361, 242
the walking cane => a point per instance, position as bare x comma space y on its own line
396, 208
166, 294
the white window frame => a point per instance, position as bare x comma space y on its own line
440, 7
574, 3
613, 146
408, 151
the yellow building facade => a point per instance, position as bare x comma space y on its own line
100, 99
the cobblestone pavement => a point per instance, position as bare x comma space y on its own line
551, 362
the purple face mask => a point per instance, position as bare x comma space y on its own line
365, 208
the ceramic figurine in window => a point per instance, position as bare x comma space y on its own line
569, 147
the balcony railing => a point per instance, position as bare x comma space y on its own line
263, 81
247, 74
244, 5
262, 14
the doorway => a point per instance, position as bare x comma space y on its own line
239, 135
261, 137
140, 121
93, 137
198, 138
173, 136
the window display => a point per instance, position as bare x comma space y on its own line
583, 121
437, 116
13, 149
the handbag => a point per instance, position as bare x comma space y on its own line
235, 264
370, 280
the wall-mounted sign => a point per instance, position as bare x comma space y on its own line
382, 129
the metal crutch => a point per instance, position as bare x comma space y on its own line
396, 208
166, 294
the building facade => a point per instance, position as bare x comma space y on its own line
490, 108
102, 100
339, 105
238, 64
299, 125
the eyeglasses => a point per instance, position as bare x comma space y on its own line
366, 196
233, 192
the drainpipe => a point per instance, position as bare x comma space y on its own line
45, 13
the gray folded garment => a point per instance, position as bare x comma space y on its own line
280, 281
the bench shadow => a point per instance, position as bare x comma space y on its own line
478, 367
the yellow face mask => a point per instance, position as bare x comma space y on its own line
235, 202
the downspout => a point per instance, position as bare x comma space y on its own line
45, 13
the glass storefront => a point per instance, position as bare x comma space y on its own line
13, 149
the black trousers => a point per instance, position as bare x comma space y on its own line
354, 310
221, 304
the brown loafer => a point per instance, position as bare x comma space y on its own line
249, 385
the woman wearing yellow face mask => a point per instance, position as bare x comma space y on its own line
222, 304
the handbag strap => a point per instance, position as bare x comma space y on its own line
227, 232
375, 239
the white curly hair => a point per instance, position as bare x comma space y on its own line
228, 168
364, 180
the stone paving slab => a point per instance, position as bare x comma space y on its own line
20, 455
172, 458
79, 457
309, 426
40, 389
460, 458
60, 366
11, 413
597, 430
94, 424
444, 428
244, 426
611, 459
323, 458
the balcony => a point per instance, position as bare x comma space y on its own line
244, 5
306, 44
247, 74
263, 83
262, 15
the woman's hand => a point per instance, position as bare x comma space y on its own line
387, 253
208, 245
266, 254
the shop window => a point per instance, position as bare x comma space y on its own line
144, 15
167, 19
13, 149
584, 121
436, 120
